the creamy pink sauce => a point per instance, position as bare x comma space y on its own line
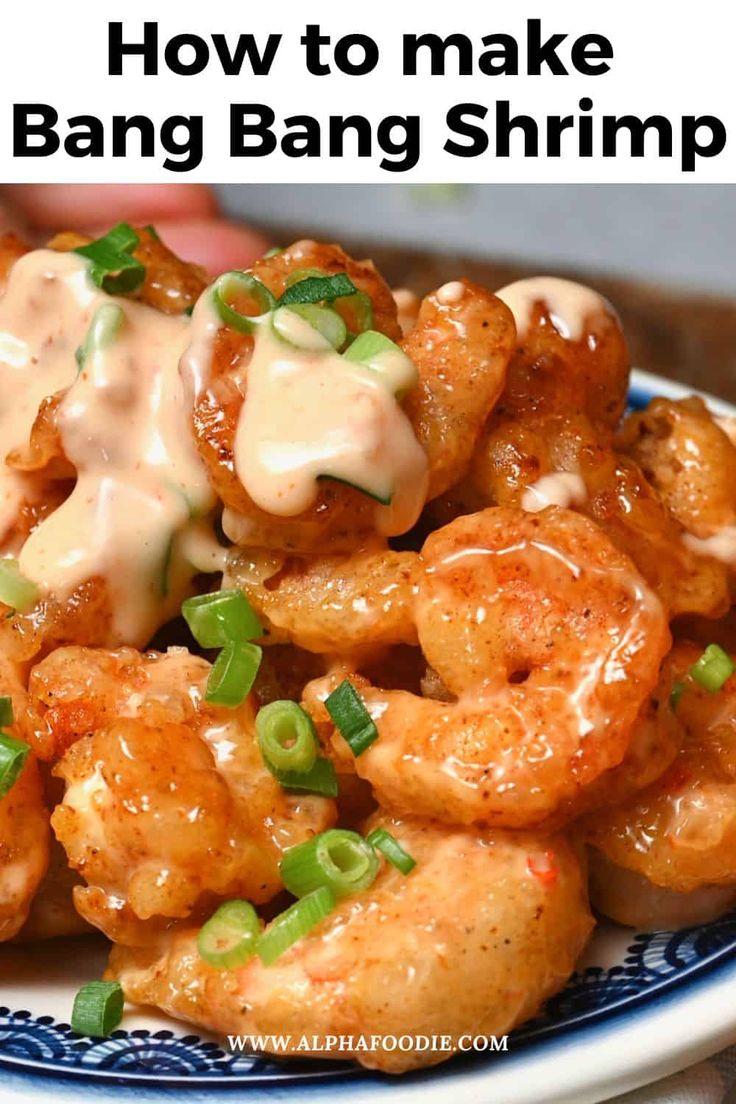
719, 546
124, 425
555, 489
568, 304
311, 413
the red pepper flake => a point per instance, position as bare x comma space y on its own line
544, 867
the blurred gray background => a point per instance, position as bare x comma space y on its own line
680, 235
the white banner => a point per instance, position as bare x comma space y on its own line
393, 90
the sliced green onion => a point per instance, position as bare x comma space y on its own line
294, 923
321, 779
220, 618
382, 355
286, 737
15, 589
103, 329
384, 497
273, 252
318, 289
339, 859
228, 939
233, 674
351, 717
98, 1008
392, 850
112, 267
713, 669
290, 322
233, 284
299, 274
13, 755
359, 310
6, 712
678, 689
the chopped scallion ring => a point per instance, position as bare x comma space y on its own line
713, 669
98, 1008
392, 850
309, 326
383, 356
318, 289
299, 274
112, 266
220, 618
321, 779
15, 590
382, 497
241, 286
286, 737
228, 939
6, 712
294, 923
357, 310
13, 755
105, 326
339, 859
273, 252
351, 718
233, 674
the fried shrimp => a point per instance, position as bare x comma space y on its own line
330, 603
477, 936
459, 348
217, 369
461, 344
691, 461
168, 804
560, 458
679, 834
171, 285
24, 821
571, 354
551, 642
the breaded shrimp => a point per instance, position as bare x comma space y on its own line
24, 848
691, 461
518, 461
680, 833
460, 347
461, 344
168, 804
24, 820
473, 940
551, 642
171, 285
341, 517
571, 354
331, 603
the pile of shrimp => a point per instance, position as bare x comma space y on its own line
527, 652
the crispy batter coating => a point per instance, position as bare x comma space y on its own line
680, 832
160, 780
474, 939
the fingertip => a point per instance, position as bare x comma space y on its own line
80, 206
215, 244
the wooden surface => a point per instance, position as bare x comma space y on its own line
687, 337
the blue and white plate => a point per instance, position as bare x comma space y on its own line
641, 1005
